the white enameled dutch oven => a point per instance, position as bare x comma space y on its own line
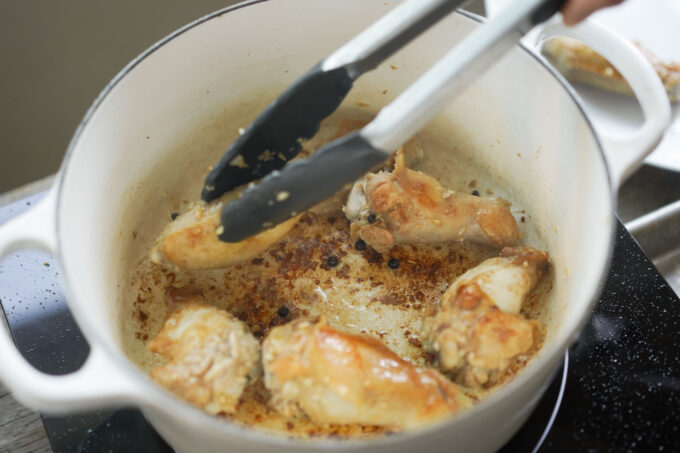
521, 120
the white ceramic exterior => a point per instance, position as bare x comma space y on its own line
561, 177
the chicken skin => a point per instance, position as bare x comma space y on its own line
331, 376
190, 241
478, 330
408, 206
210, 356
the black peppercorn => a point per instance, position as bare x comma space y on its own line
360, 245
393, 263
283, 312
371, 218
332, 261
475, 193
174, 215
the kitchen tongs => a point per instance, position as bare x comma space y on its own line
274, 137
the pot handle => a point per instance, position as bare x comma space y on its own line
624, 153
99, 382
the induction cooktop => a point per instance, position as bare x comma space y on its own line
618, 390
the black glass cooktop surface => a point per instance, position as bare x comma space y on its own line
619, 389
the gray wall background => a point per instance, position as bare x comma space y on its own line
55, 58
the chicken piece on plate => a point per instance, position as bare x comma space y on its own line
209, 356
579, 63
190, 241
408, 206
477, 329
331, 376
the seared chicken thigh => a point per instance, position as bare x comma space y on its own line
477, 329
190, 241
209, 356
335, 377
407, 206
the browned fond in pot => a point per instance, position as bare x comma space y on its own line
318, 269
299, 276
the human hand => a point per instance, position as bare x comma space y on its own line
574, 11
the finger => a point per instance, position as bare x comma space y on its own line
574, 11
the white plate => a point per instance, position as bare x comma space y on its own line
655, 25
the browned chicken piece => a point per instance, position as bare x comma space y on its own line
477, 329
408, 206
190, 241
209, 356
579, 63
331, 376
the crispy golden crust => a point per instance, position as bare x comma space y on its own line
331, 376
407, 206
191, 242
470, 336
209, 355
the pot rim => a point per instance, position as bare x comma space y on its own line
160, 399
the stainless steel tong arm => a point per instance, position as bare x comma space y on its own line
434, 90
297, 113
388, 34
304, 183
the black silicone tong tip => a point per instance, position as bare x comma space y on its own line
294, 116
282, 195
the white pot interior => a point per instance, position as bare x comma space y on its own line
147, 144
